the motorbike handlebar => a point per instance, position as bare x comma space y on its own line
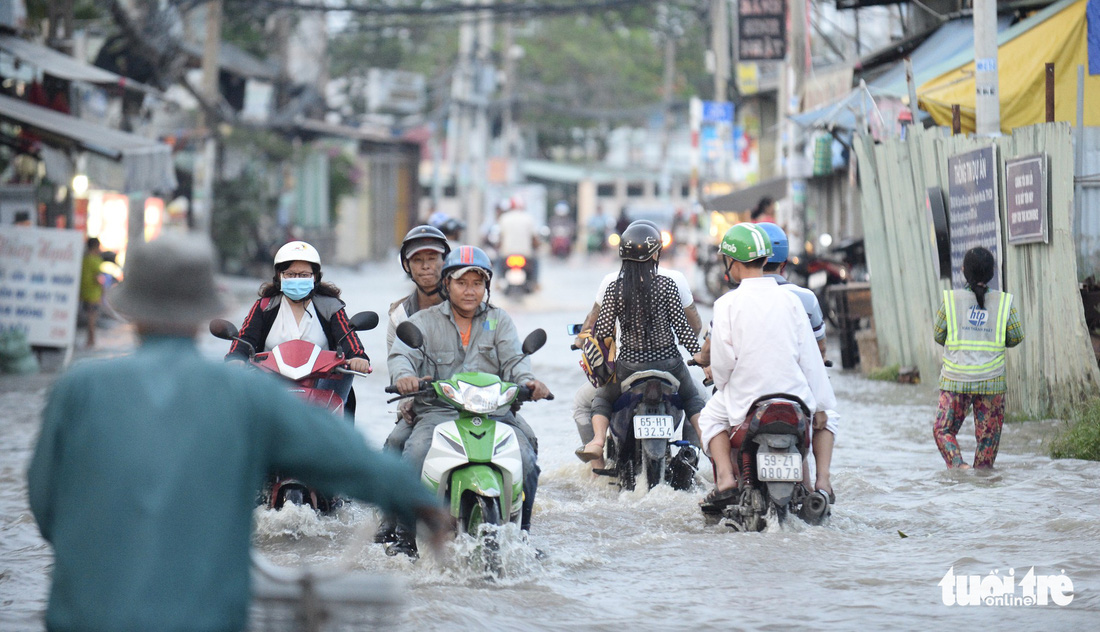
341, 369
692, 362
573, 347
828, 364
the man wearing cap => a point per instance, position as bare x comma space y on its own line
421, 256
464, 333
146, 469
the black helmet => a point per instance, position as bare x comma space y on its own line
640, 242
420, 237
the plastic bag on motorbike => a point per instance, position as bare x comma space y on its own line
598, 359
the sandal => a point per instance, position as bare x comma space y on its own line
828, 494
589, 452
721, 498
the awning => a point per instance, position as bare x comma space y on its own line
135, 163
950, 39
747, 199
59, 65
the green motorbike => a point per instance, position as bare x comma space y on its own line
474, 462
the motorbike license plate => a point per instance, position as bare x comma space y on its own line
653, 426
784, 466
515, 276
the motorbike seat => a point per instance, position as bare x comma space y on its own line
774, 414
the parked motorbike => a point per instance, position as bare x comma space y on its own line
769, 448
302, 363
518, 275
474, 462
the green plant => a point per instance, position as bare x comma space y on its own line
240, 205
1081, 439
886, 373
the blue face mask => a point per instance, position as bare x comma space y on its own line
297, 289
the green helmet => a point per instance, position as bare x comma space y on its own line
745, 242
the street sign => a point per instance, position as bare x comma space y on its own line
761, 30
717, 112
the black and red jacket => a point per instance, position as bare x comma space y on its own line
330, 312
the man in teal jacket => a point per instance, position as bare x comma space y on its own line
146, 470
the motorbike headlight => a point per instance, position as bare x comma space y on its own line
508, 394
481, 399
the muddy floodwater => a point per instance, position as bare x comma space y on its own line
601, 559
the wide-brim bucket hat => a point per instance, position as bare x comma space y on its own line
169, 281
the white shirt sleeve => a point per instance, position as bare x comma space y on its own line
722, 357
813, 367
611, 276
681, 285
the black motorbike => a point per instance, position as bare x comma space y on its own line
646, 439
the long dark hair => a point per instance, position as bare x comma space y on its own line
638, 279
274, 287
978, 267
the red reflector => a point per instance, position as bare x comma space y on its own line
516, 261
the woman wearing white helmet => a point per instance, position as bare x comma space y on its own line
297, 305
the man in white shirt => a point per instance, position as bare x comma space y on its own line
761, 343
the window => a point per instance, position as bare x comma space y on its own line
605, 190
635, 189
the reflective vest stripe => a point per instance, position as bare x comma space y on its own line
952, 321
966, 368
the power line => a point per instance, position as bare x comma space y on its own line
511, 8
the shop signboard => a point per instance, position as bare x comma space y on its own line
761, 30
40, 283
1026, 208
972, 209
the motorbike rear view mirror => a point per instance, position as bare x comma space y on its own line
573, 330
364, 321
221, 328
410, 334
534, 341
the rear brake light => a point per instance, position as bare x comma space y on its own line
516, 261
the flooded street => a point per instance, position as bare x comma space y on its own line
646, 561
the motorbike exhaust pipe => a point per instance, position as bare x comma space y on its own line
815, 508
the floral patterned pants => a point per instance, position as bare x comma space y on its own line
989, 415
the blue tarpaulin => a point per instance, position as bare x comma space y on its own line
1093, 14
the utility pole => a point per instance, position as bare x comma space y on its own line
666, 94
202, 202
507, 93
720, 45
987, 104
795, 76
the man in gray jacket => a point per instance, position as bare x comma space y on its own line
465, 333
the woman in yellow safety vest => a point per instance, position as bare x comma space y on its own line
974, 326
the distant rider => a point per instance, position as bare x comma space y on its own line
465, 333
519, 236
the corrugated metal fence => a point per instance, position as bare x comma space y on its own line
1055, 365
1087, 228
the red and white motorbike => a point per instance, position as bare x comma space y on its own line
303, 364
769, 449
